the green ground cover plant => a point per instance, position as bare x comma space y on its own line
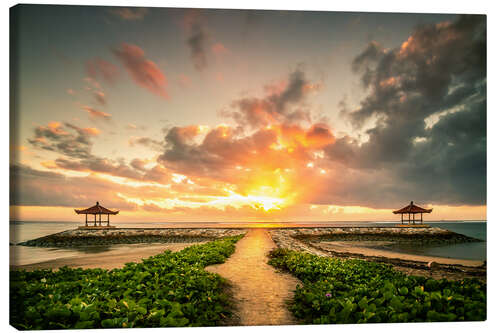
170, 289
339, 291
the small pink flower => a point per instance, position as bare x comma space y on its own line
328, 295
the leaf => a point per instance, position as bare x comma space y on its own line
84, 324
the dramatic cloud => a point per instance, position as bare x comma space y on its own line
143, 71
75, 145
67, 139
428, 98
130, 14
425, 144
30, 187
269, 162
98, 68
96, 114
283, 104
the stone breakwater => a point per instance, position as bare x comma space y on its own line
428, 235
87, 237
309, 240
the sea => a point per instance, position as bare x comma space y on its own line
21, 231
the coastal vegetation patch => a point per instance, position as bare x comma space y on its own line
170, 289
339, 291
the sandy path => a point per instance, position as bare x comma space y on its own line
259, 291
115, 258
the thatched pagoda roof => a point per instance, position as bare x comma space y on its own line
411, 208
97, 209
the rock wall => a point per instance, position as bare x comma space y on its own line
86, 237
429, 235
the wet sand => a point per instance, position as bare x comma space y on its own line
259, 292
363, 248
117, 257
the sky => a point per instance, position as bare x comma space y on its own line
170, 114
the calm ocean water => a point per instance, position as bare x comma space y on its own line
22, 231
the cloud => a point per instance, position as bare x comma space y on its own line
273, 157
30, 187
98, 164
98, 68
93, 84
197, 44
75, 145
197, 40
100, 97
143, 71
130, 14
67, 139
96, 114
134, 127
282, 104
424, 105
147, 142
219, 49
438, 73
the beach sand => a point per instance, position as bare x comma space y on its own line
259, 291
117, 257
364, 249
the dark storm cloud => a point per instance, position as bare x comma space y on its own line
429, 104
372, 52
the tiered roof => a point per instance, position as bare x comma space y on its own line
97, 209
411, 208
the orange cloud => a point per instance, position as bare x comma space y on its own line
91, 131
143, 71
94, 113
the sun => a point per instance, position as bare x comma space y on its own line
257, 202
266, 203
